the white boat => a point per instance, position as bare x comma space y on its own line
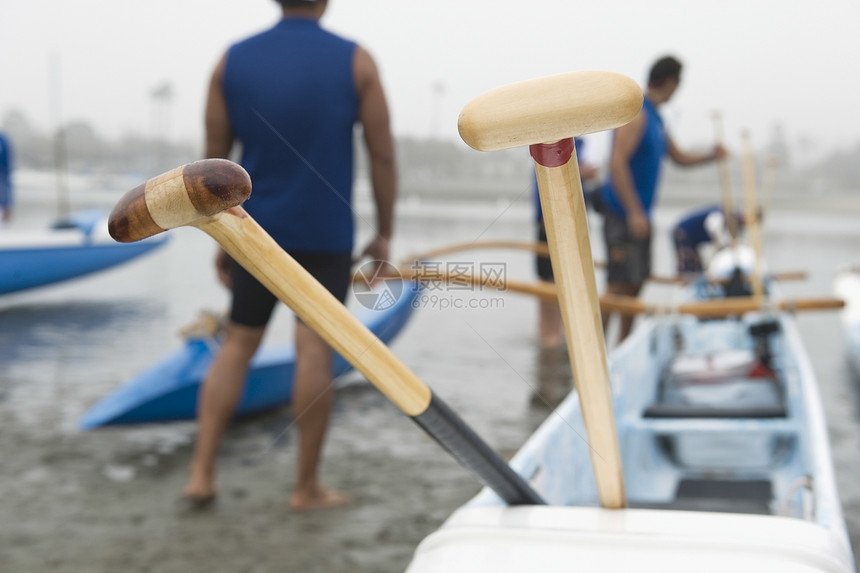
726, 469
649, 467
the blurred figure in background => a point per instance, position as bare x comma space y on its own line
5, 180
630, 192
291, 97
696, 230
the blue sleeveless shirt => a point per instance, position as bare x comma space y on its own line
292, 104
644, 165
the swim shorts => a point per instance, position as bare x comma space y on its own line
628, 258
253, 303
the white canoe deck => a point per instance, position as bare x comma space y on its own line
582, 539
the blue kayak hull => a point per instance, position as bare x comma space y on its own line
167, 391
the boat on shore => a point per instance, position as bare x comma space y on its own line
167, 391
726, 463
78, 245
700, 444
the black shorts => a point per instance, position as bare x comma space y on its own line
543, 265
253, 303
628, 260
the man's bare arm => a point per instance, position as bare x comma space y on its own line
626, 141
374, 118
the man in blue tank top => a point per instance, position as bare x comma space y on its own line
630, 193
290, 97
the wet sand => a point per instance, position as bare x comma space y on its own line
106, 501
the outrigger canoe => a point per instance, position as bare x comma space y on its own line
725, 455
167, 391
698, 445
77, 246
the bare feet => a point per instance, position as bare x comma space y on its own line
200, 494
189, 504
317, 497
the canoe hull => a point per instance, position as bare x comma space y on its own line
693, 483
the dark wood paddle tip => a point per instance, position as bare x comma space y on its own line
130, 220
179, 197
215, 185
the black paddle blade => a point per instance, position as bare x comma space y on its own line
452, 433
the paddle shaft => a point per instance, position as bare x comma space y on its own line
570, 252
255, 250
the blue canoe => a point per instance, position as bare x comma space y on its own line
77, 246
168, 390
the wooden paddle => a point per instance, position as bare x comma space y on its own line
725, 180
546, 114
206, 195
751, 215
717, 308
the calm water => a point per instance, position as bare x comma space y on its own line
63, 347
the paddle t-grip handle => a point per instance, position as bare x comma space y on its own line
546, 110
179, 197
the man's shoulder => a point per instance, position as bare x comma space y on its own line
287, 31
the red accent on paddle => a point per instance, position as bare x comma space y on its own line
552, 154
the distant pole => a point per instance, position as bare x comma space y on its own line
438, 89
161, 99
60, 147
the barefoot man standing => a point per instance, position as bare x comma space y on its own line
290, 97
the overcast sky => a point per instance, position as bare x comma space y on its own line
761, 62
